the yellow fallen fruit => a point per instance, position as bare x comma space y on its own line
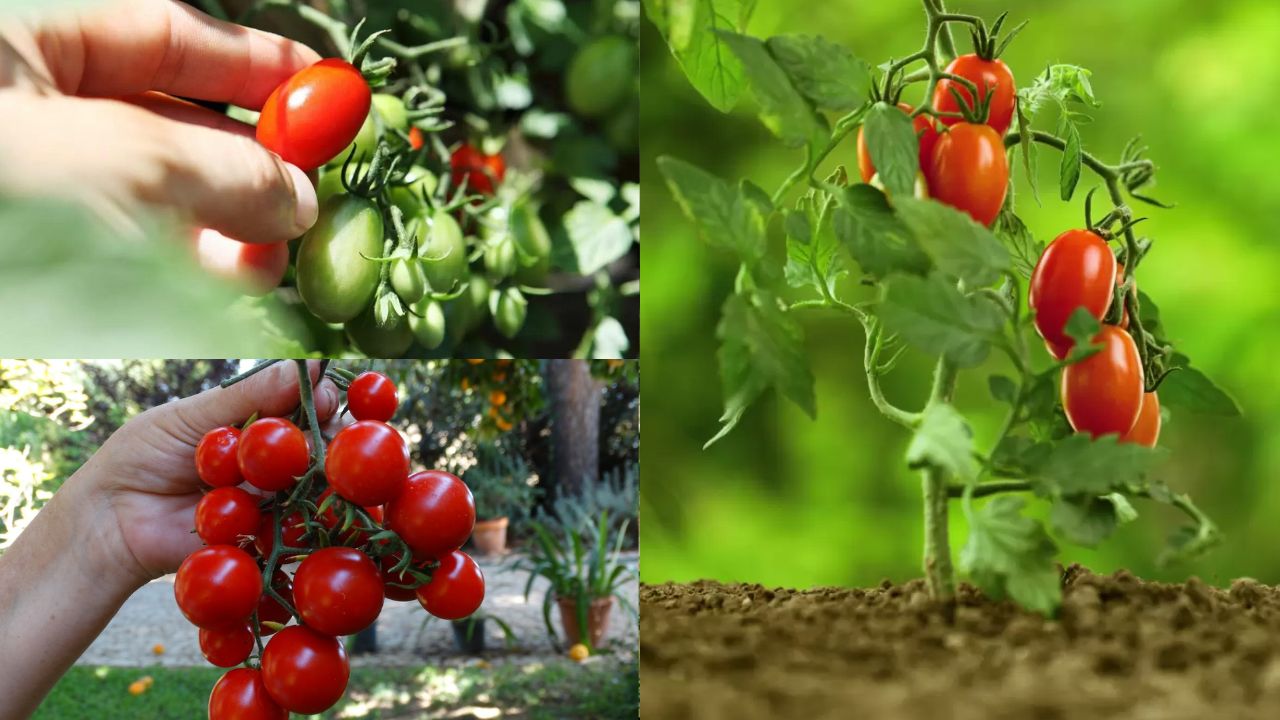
579, 652
137, 687
158, 649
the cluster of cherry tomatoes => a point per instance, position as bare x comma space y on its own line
375, 532
1102, 394
963, 164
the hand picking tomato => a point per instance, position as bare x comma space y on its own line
217, 586
480, 171
367, 462
226, 646
305, 672
1102, 394
991, 77
969, 171
456, 588
216, 457
316, 113
926, 132
227, 516
1146, 429
434, 514
240, 695
338, 591
372, 396
273, 454
1076, 270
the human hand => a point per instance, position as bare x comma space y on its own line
88, 111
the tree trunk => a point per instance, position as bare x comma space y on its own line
575, 425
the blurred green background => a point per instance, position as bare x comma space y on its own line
788, 501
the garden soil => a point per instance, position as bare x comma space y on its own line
1120, 647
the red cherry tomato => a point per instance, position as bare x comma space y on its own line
226, 646
367, 462
216, 457
372, 396
217, 586
480, 171
416, 139
392, 580
434, 514
990, 77
338, 591
456, 588
315, 114
1102, 394
969, 171
1076, 270
292, 530
305, 672
240, 695
926, 131
270, 609
1146, 429
273, 454
227, 516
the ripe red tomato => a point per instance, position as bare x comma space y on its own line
391, 580
1146, 429
292, 530
990, 76
240, 695
216, 457
218, 586
305, 672
1102, 394
480, 171
270, 609
227, 516
367, 462
434, 514
226, 646
969, 171
315, 114
273, 454
338, 591
456, 588
416, 139
372, 396
926, 131
1076, 270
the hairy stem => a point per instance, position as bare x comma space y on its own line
938, 571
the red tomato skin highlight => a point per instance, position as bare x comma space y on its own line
969, 171
304, 671
273, 454
217, 586
372, 396
226, 516
338, 591
216, 457
367, 463
1146, 429
315, 114
991, 77
240, 695
456, 588
434, 514
227, 646
1102, 394
1076, 270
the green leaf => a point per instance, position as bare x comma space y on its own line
782, 109
725, 217
1022, 245
1003, 388
1069, 170
1080, 465
876, 238
825, 72
894, 148
933, 315
1190, 389
1063, 85
944, 440
1082, 327
1009, 554
597, 235
761, 347
691, 28
1086, 520
815, 261
1030, 162
958, 245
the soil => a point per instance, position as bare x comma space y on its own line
1120, 647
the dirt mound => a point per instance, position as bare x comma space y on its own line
1120, 647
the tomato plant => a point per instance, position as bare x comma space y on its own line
338, 591
273, 454
240, 695
479, 170
313, 115
216, 457
456, 588
305, 671
434, 513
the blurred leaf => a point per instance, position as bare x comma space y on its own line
1081, 465
691, 29
1015, 235
1069, 171
876, 238
1009, 554
598, 236
724, 217
1088, 520
1190, 389
1003, 388
958, 245
894, 148
608, 340
825, 72
782, 109
813, 257
944, 440
933, 315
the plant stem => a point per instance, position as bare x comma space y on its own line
248, 373
989, 488
938, 571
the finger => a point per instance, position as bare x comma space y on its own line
272, 392
182, 111
131, 47
258, 268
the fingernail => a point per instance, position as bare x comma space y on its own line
306, 206
330, 393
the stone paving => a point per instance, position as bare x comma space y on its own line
151, 617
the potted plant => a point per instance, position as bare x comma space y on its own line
581, 563
500, 483
469, 632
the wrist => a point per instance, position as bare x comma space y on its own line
94, 532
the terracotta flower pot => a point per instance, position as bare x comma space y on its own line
597, 619
490, 536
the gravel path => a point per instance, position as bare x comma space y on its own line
151, 617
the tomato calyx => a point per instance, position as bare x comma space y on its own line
987, 43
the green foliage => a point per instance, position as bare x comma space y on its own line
616, 496
500, 482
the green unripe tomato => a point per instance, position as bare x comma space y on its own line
335, 277
596, 80
533, 244
429, 329
500, 258
330, 183
379, 342
391, 112
509, 310
443, 253
407, 278
465, 313
409, 197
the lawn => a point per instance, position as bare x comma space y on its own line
599, 689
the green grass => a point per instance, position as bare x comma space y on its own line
538, 691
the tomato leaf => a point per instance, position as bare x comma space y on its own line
894, 148
1069, 170
761, 347
598, 236
1081, 465
1190, 389
827, 73
1023, 246
958, 245
933, 315
877, 238
782, 109
1088, 520
690, 28
813, 256
1003, 388
1011, 555
725, 217
944, 440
